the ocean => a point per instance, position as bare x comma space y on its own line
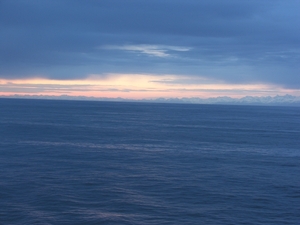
84, 162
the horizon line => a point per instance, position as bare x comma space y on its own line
278, 100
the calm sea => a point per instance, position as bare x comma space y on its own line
76, 162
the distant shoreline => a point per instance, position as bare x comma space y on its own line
286, 100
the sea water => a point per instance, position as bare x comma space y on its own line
80, 162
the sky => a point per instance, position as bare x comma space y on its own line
141, 49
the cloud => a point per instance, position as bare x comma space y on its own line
231, 41
151, 50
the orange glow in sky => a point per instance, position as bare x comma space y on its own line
138, 86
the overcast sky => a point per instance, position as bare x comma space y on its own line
230, 42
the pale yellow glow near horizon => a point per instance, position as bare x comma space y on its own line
138, 86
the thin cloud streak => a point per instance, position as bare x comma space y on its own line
151, 50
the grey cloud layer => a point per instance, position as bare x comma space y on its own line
233, 40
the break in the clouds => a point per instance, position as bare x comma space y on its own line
232, 41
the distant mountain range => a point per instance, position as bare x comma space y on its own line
248, 100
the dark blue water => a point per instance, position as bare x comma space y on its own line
72, 162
